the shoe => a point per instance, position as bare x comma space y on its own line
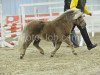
93, 46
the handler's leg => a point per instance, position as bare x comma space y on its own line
86, 38
25, 44
57, 46
74, 39
36, 44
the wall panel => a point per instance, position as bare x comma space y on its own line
11, 7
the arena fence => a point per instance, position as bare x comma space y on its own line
1, 27
3, 43
8, 32
23, 6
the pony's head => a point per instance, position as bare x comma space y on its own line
75, 16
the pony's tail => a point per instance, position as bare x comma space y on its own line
21, 40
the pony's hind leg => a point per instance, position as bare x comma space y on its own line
25, 44
36, 44
71, 45
57, 46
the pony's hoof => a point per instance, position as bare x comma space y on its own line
21, 56
42, 53
75, 53
51, 55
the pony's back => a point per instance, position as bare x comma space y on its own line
34, 27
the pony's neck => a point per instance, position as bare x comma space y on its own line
62, 19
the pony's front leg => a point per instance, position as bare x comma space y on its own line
67, 40
24, 43
57, 46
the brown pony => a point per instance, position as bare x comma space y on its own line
56, 31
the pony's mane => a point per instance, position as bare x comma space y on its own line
64, 14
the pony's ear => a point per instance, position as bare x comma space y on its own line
78, 14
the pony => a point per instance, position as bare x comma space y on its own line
56, 31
